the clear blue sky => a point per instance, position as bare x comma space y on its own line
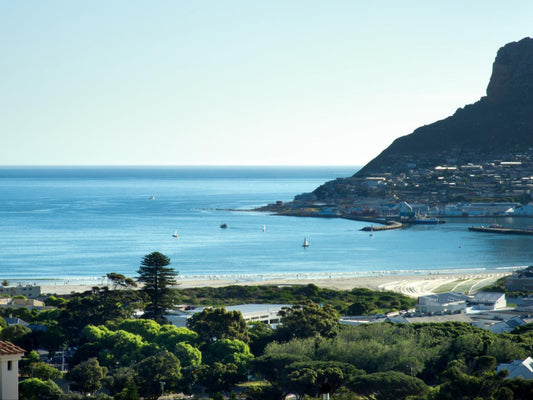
238, 82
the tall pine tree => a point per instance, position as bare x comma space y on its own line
157, 277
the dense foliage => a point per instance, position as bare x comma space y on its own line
353, 302
116, 356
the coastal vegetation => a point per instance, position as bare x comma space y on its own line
112, 354
358, 301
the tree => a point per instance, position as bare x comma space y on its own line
121, 384
52, 339
301, 382
111, 347
41, 371
169, 336
217, 377
88, 375
188, 355
227, 351
213, 324
309, 319
260, 335
272, 369
17, 334
330, 375
36, 389
389, 385
156, 278
150, 372
96, 308
120, 280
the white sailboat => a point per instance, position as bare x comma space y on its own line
306, 243
175, 234
264, 228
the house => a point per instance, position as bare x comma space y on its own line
506, 326
9, 370
449, 302
518, 368
10, 321
13, 302
488, 301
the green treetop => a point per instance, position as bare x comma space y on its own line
157, 277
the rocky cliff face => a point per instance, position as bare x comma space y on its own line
498, 123
512, 74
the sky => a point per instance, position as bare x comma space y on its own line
240, 82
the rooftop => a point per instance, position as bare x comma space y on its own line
9, 348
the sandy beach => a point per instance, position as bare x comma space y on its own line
410, 285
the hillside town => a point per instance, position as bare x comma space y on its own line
456, 187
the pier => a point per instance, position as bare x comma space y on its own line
501, 229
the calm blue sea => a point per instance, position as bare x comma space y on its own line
78, 224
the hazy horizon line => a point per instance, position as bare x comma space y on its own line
178, 165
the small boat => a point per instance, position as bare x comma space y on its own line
371, 230
175, 234
223, 226
152, 197
306, 243
425, 220
264, 228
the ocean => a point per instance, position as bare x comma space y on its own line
63, 224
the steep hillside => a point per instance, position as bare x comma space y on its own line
500, 122
434, 163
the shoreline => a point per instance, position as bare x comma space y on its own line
410, 284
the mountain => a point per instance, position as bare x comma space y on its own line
500, 122
482, 152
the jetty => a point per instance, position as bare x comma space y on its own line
388, 225
501, 229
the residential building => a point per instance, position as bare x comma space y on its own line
506, 326
29, 291
15, 321
9, 370
518, 368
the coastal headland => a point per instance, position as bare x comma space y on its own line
476, 162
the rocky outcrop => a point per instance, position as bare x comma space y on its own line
512, 74
500, 122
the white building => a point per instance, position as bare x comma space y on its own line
518, 368
449, 302
9, 370
488, 301
267, 313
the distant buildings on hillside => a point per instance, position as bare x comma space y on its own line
29, 291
